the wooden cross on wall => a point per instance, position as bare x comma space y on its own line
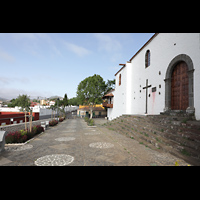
146, 88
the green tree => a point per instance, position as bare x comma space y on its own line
63, 104
13, 103
73, 101
110, 85
90, 91
53, 108
24, 102
65, 101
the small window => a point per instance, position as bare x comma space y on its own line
147, 58
120, 77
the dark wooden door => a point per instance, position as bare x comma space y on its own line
180, 87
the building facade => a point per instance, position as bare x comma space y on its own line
163, 75
98, 111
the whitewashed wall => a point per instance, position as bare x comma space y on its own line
43, 110
164, 48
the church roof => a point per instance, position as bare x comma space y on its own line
124, 65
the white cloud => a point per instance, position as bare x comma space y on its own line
78, 50
5, 56
107, 42
13, 80
46, 37
4, 80
33, 43
10, 93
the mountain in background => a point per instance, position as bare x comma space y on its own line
3, 99
55, 97
40, 98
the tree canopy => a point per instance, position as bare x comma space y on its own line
21, 101
110, 85
91, 90
24, 102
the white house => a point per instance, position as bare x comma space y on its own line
163, 75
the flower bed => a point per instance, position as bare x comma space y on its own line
61, 119
23, 135
53, 122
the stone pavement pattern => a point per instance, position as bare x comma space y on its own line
73, 143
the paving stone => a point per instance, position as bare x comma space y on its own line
65, 139
102, 147
54, 160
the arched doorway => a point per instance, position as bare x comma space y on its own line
180, 87
179, 92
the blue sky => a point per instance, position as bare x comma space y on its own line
48, 64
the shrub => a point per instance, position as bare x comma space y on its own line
34, 130
23, 132
61, 119
23, 135
30, 135
91, 122
39, 129
53, 122
15, 137
9, 138
86, 119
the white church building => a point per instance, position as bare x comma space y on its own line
164, 75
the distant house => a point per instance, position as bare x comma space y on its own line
99, 111
108, 101
52, 103
33, 104
43, 102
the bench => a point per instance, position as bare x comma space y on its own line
45, 125
2, 140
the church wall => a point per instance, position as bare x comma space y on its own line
163, 49
119, 105
140, 74
196, 59
130, 97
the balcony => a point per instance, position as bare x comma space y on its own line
107, 105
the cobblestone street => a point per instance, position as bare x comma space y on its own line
73, 143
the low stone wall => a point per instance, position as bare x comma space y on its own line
21, 126
18, 127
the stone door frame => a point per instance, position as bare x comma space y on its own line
173, 63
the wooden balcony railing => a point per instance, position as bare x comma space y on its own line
107, 105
